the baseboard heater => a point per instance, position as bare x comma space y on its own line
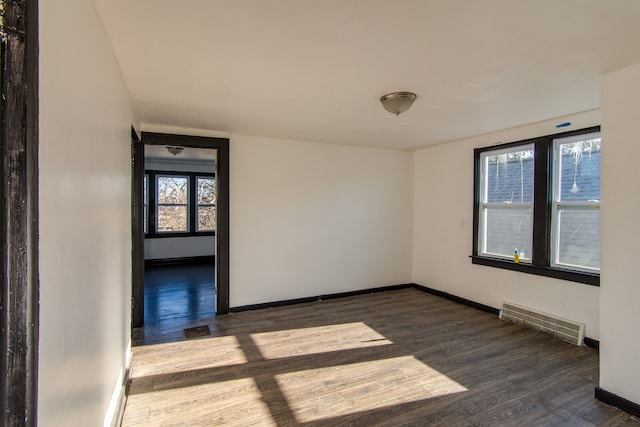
567, 330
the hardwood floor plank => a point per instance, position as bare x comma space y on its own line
394, 358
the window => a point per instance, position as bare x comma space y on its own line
506, 205
540, 197
172, 203
178, 204
206, 204
575, 221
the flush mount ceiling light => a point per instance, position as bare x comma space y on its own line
398, 102
175, 150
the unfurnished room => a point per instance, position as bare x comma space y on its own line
320, 213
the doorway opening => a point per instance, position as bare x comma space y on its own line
180, 234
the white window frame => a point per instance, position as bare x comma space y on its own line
557, 204
484, 205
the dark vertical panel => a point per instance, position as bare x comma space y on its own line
192, 204
476, 199
541, 203
222, 233
137, 231
19, 187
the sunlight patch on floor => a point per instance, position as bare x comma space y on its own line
186, 356
318, 339
214, 404
323, 393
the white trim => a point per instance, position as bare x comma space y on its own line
577, 138
513, 149
555, 234
115, 410
507, 205
482, 227
483, 196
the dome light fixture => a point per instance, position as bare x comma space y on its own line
398, 102
175, 150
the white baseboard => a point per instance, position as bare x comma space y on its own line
113, 417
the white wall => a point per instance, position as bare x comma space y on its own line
620, 230
443, 213
179, 247
85, 232
310, 218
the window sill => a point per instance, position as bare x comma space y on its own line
178, 234
592, 279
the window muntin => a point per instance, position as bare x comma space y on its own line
172, 208
206, 204
575, 217
506, 202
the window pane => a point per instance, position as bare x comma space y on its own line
506, 230
206, 191
172, 218
579, 237
173, 189
579, 169
206, 218
508, 176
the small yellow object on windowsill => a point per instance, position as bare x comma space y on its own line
516, 257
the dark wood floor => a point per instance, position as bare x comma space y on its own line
175, 293
388, 359
175, 297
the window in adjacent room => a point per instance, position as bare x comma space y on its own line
178, 204
540, 197
172, 203
206, 198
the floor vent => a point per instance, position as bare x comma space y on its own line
567, 330
197, 332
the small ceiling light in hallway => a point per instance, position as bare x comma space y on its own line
175, 150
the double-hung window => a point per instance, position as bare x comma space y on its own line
506, 202
541, 198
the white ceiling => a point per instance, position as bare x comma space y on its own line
315, 69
